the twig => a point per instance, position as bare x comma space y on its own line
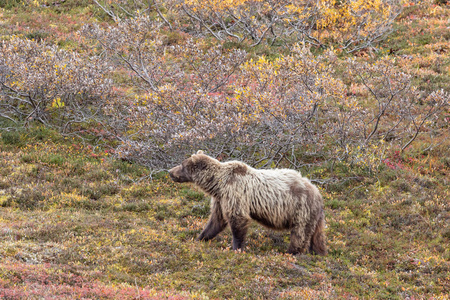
161, 15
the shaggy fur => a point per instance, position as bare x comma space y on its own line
279, 199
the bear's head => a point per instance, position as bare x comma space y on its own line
190, 168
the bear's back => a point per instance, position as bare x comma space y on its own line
268, 195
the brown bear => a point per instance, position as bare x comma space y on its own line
279, 199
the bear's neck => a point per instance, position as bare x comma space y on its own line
210, 182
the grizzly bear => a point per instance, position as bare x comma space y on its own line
279, 199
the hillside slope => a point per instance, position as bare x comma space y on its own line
76, 222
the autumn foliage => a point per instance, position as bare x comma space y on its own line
40, 82
264, 111
193, 95
99, 98
352, 25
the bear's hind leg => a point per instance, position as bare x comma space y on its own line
239, 226
318, 244
216, 223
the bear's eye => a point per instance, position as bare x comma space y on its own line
200, 165
186, 167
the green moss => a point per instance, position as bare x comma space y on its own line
9, 4
12, 138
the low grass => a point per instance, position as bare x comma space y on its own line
99, 227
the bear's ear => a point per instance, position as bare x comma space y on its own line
200, 152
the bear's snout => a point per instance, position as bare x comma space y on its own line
171, 173
178, 174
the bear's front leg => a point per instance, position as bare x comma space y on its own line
239, 226
216, 222
297, 244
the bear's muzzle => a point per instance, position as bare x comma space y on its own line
178, 174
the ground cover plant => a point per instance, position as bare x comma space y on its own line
98, 99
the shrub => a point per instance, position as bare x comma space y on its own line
264, 111
353, 25
41, 83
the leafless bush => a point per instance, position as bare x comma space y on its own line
55, 87
194, 96
120, 10
395, 110
352, 25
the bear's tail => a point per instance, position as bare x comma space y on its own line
318, 245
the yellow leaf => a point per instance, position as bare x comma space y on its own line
57, 103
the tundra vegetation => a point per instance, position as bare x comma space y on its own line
99, 98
